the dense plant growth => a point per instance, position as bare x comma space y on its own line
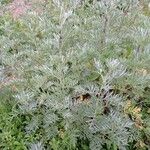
75, 75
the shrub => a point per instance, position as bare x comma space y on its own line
80, 74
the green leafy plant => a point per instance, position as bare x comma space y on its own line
80, 74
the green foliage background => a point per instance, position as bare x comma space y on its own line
50, 60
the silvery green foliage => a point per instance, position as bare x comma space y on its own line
37, 146
71, 49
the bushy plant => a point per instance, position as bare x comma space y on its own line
12, 124
80, 74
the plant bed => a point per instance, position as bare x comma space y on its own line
78, 75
